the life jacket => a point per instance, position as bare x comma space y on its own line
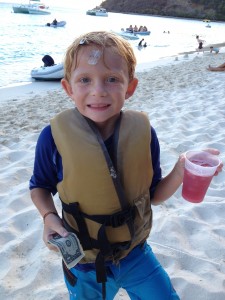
107, 205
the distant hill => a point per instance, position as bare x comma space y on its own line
198, 9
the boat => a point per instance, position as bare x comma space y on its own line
139, 32
31, 8
55, 72
143, 32
59, 24
98, 11
208, 26
128, 35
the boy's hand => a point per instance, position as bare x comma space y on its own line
179, 167
52, 226
215, 152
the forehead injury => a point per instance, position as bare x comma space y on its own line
94, 56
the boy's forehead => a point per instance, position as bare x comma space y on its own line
92, 54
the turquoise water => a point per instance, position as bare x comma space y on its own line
24, 39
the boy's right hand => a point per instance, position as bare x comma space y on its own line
53, 225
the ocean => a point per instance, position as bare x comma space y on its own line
24, 39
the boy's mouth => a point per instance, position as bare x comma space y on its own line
98, 106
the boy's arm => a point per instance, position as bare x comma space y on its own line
43, 200
169, 184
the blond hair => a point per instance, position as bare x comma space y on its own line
101, 39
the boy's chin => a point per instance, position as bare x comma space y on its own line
98, 119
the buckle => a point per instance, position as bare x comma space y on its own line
121, 218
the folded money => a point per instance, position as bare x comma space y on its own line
69, 247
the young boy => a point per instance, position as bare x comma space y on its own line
105, 165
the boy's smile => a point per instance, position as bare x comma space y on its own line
99, 85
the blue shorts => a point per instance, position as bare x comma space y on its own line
140, 274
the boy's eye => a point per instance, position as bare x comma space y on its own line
84, 80
112, 79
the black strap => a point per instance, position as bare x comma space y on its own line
115, 220
83, 235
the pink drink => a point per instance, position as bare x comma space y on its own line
200, 167
194, 186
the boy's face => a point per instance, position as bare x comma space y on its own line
99, 87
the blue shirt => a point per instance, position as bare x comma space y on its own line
48, 168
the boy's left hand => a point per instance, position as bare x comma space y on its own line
215, 152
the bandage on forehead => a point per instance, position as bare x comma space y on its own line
94, 57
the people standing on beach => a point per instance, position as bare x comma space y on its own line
200, 43
219, 68
87, 155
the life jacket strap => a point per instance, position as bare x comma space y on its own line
115, 220
102, 243
83, 235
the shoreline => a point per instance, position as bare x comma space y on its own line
26, 89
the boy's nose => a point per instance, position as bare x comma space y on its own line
99, 89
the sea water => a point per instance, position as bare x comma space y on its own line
25, 39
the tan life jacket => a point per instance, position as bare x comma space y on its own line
87, 181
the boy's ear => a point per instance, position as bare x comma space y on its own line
67, 87
131, 88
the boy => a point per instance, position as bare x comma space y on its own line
104, 163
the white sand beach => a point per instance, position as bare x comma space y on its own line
186, 106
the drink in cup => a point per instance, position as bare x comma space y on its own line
200, 166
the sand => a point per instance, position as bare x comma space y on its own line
186, 106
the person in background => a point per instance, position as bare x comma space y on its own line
141, 28
200, 43
213, 49
48, 61
54, 22
140, 43
135, 28
145, 28
87, 155
130, 29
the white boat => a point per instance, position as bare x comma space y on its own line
137, 32
31, 8
98, 11
59, 24
143, 32
55, 72
128, 35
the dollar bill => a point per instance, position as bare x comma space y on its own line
69, 247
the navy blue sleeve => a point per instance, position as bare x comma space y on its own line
155, 152
45, 172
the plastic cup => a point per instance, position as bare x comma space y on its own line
200, 166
